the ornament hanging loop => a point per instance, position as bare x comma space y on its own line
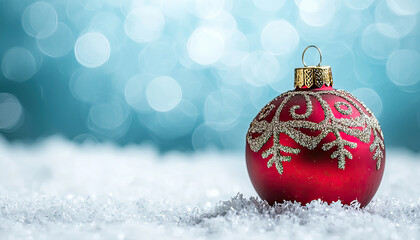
320, 55
313, 76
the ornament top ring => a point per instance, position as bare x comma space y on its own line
320, 55
313, 76
315, 142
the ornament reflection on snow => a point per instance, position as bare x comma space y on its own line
315, 142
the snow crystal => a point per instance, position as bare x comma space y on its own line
59, 190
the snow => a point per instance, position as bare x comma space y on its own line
59, 190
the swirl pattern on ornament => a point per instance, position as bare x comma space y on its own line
266, 110
347, 111
361, 127
308, 112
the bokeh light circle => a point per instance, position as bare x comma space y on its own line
110, 118
205, 138
92, 49
236, 49
88, 85
279, 37
401, 25
194, 84
10, 111
370, 98
341, 58
18, 64
269, 5
144, 24
208, 9
92, 5
39, 19
376, 44
157, 58
222, 109
59, 43
317, 13
107, 115
260, 68
106, 21
174, 9
358, 4
205, 46
76, 13
163, 93
135, 92
404, 7
224, 23
403, 68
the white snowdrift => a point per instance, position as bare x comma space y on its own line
59, 190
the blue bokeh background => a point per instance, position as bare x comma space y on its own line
192, 74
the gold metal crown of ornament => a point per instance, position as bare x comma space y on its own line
313, 76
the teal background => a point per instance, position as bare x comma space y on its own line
110, 92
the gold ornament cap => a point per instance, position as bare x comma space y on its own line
313, 76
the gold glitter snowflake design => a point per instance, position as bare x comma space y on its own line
361, 127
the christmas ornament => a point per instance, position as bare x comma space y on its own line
315, 142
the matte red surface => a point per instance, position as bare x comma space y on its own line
312, 174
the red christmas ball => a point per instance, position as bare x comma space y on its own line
315, 143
